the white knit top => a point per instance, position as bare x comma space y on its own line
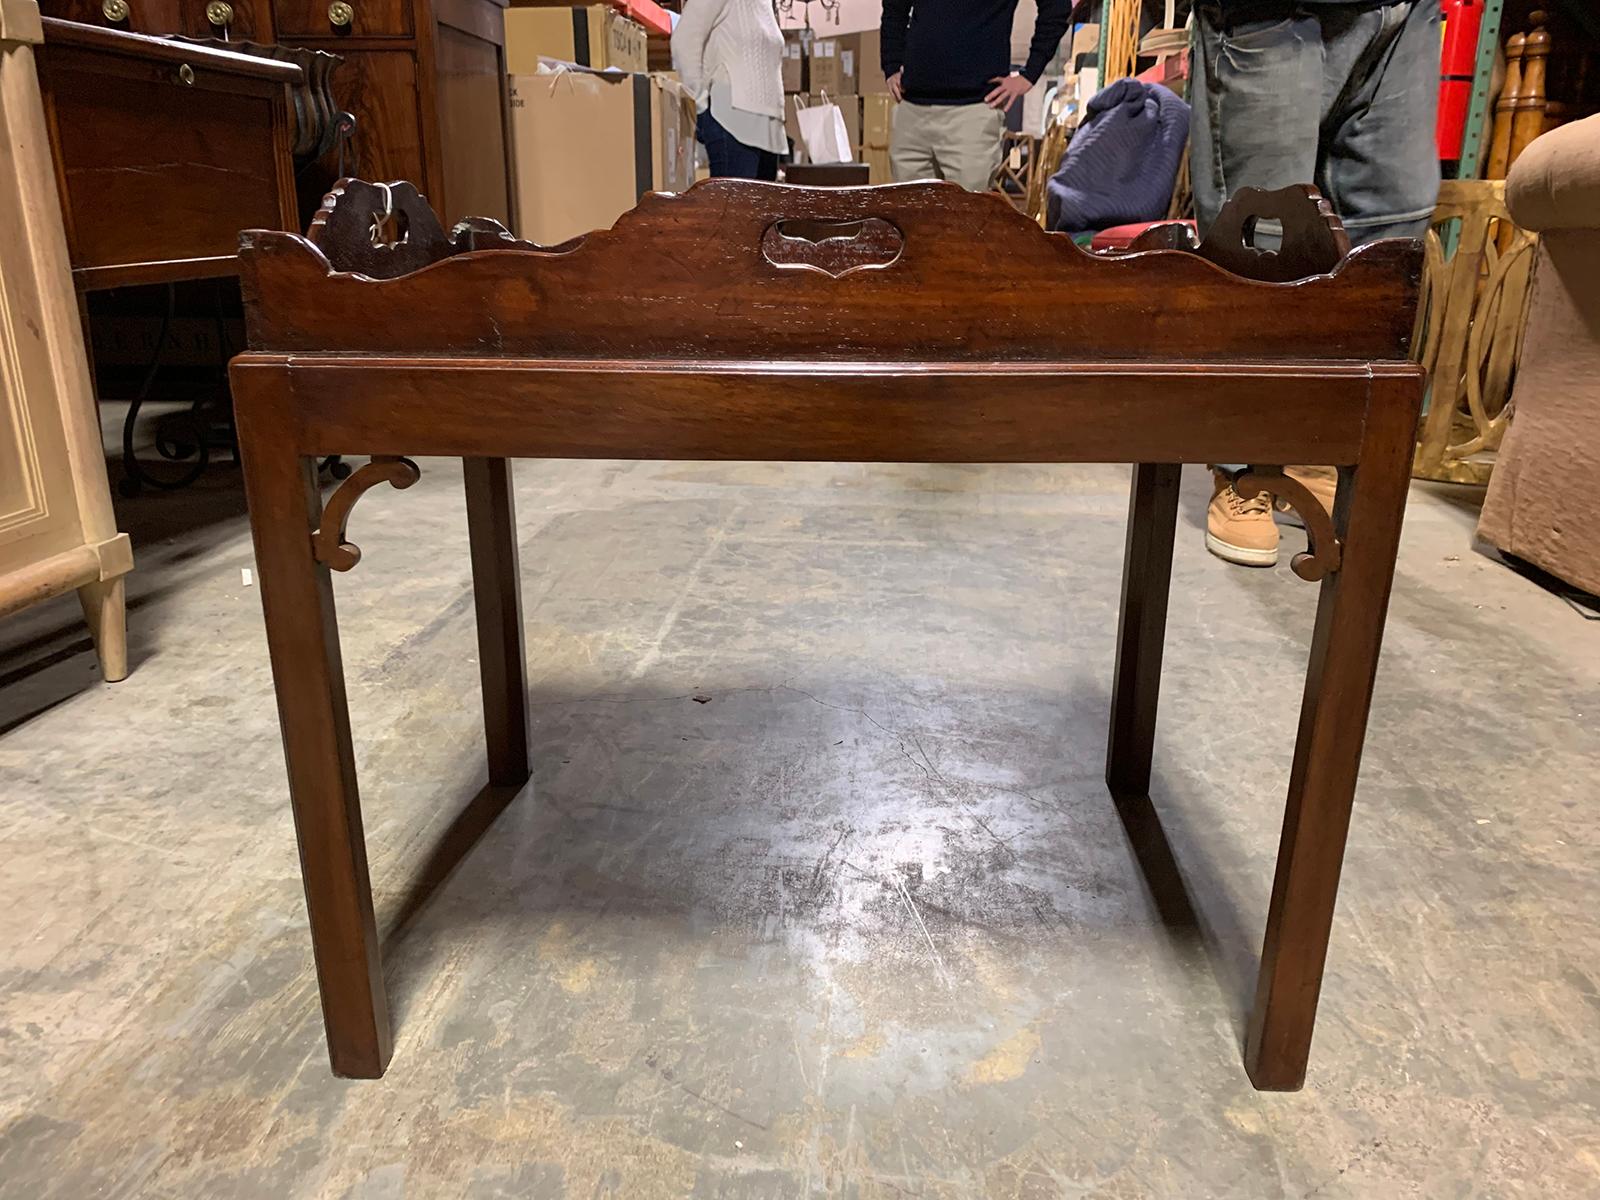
735, 43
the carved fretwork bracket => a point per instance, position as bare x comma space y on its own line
1323, 548
328, 544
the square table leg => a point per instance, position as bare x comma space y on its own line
303, 641
497, 595
1333, 720
1146, 581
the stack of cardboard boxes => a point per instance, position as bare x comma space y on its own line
845, 71
592, 129
593, 36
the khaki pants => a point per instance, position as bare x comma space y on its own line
958, 142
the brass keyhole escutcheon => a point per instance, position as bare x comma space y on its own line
115, 11
220, 13
340, 13
186, 75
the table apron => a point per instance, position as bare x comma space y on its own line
847, 412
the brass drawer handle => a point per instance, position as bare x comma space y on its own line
339, 13
186, 75
115, 11
220, 13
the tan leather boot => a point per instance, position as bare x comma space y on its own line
1239, 530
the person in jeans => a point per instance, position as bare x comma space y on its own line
729, 54
1340, 93
949, 63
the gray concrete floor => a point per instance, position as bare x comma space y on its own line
817, 890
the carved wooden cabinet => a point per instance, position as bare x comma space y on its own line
57, 531
424, 79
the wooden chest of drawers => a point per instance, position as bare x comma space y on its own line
424, 79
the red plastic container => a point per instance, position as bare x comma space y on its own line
1457, 62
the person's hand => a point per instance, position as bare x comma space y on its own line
894, 87
1008, 90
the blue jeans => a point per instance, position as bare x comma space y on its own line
1339, 95
731, 157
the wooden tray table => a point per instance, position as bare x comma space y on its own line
913, 323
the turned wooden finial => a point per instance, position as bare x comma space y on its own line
1527, 119
1504, 109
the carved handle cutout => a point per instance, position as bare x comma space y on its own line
389, 229
833, 247
381, 230
1313, 243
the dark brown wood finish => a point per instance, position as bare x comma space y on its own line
470, 98
316, 114
160, 148
308, 672
497, 592
166, 50
424, 79
674, 260
144, 16
852, 411
914, 323
1333, 724
296, 19
1141, 627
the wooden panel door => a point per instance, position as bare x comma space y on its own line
470, 100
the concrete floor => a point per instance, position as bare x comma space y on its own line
817, 890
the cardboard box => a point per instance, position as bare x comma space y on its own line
877, 127
794, 63
877, 121
878, 169
594, 36
850, 106
849, 60
587, 145
869, 63
827, 68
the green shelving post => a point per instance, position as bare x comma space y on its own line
1478, 115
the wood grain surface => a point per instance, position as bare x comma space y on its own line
974, 281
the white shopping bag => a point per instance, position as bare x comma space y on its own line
823, 131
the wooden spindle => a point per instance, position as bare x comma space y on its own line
1504, 108
1527, 118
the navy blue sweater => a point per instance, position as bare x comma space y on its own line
951, 49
